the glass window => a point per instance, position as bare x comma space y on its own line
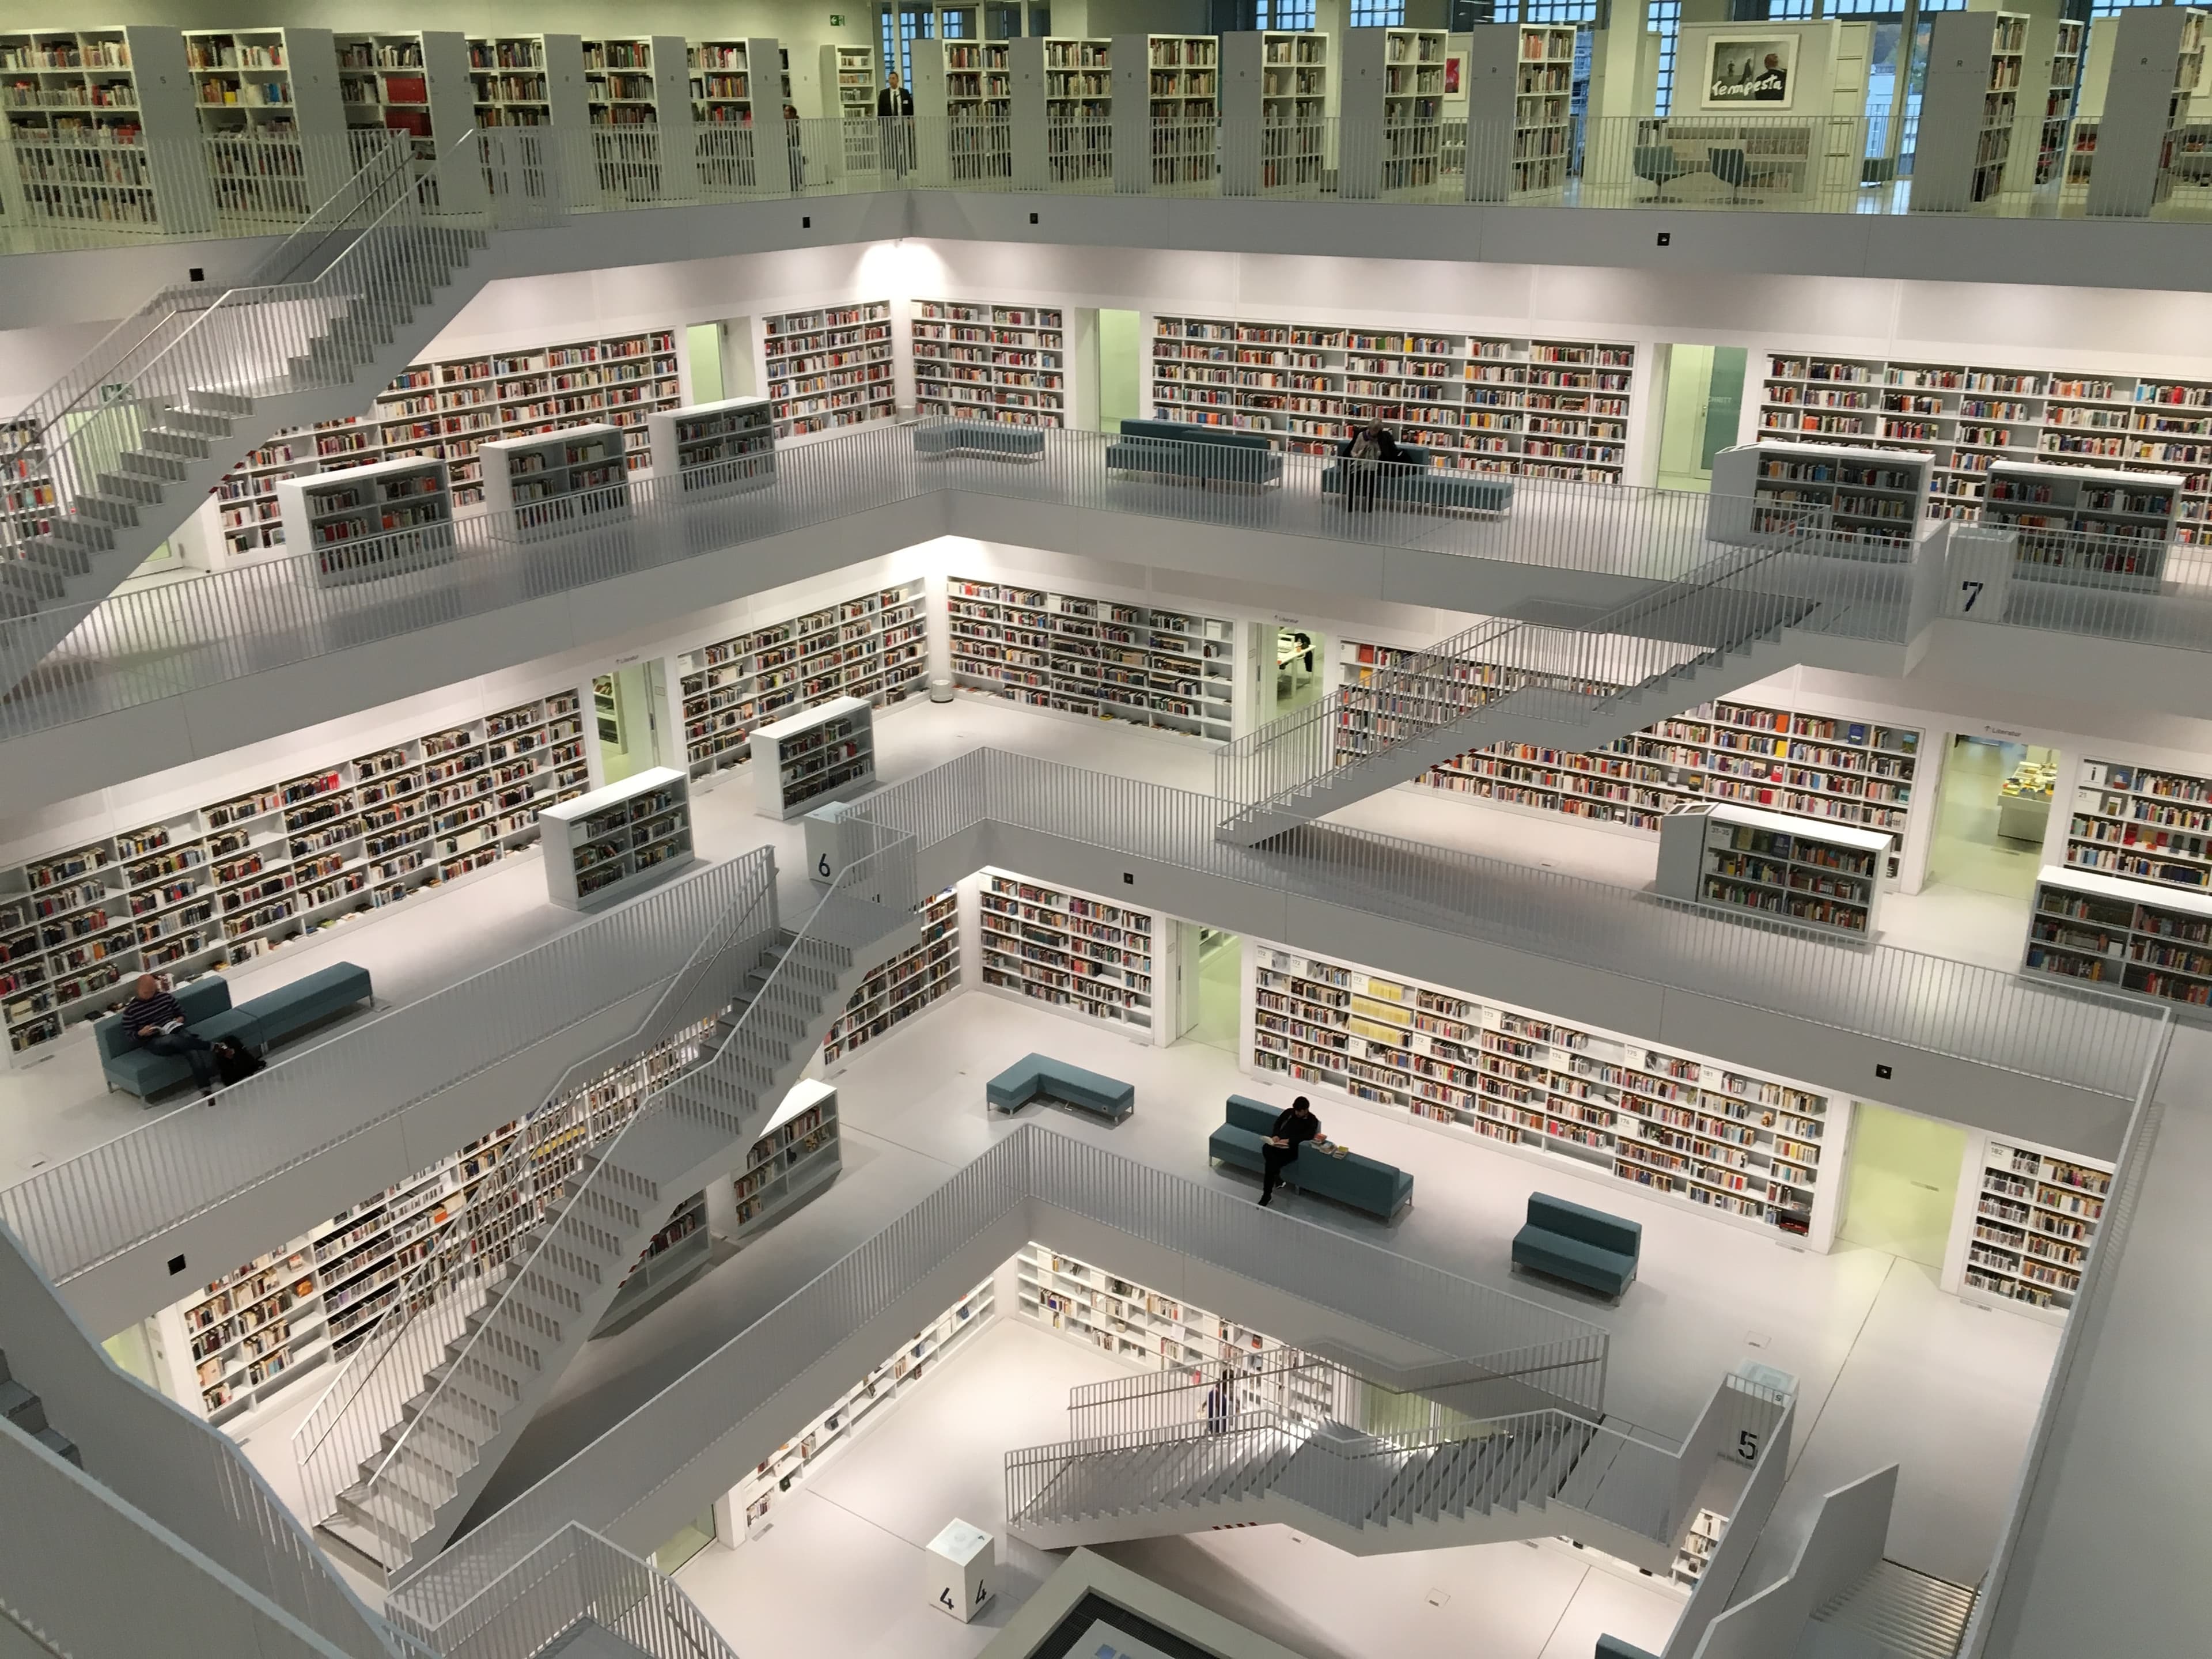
1664, 19
1286, 14
1378, 14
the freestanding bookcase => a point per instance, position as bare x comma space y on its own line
618, 840
364, 522
1826, 877
827, 753
2157, 57
1873, 497
2112, 528
1390, 135
1968, 113
556, 483
1518, 80
713, 449
1275, 111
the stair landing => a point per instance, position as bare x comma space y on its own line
1893, 1613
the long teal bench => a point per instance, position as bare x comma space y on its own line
258, 1024
1612, 1647
996, 440
1425, 488
1040, 1077
1360, 1183
1204, 455
1581, 1245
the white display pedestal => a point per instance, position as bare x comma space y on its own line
825, 859
958, 1562
1978, 568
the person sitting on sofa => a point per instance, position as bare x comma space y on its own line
1292, 1130
153, 1017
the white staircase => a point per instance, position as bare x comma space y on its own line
1893, 1612
1520, 683
135, 435
432, 1456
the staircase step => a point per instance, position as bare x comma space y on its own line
60, 1445
206, 422
130, 487
162, 441
21, 1408
34, 579
1911, 1614
103, 508
218, 403
145, 463
397, 1519
363, 1547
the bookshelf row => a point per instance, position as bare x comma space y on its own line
2121, 935
220, 884
1144, 664
1068, 950
906, 985
2036, 1214
872, 646
825, 753
1743, 1145
979, 359
829, 367
2145, 823
1544, 408
1818, 766
798, 1153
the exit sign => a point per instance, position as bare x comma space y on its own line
836, 20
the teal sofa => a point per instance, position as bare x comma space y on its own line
1040, 1077
994, 440
257, 1024
1202, 454
1612, 1647
1581, 1245
1383, 1190
1421, 487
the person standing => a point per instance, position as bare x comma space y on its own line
895, 121
1292, 1130
1220, 1405
152, 1014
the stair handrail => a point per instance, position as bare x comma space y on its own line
877, 887
427, 1318
1599, 659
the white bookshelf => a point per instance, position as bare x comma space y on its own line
1740, 1145
1518, 80
1166, 106
1060, 99
615, 843
422, 82
265, 91
558, 484
964, 88
829, 367
1968, 416
2150, 824
364, 522
1876, 499
247, 1333
528, 81
908, 984
222, 883
713, 449
1812, 766
2156, 61
797, 1154
722, 105
825, 753
1969, 109
1069, 950
1706, 1529
637, 99
2062, 87
102, 123
1390, 110
751, 1504
1534, 408
2131, 516
982, 360
2121, 935
848, 81
1274, 111
873, 646
2035, 1213
1824, 878
1171, 669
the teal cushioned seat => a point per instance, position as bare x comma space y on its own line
1185, 450
1419, 484
1581, 1245
144, 1074
1041, 1076
307, 1000
998, 439
1361, 1183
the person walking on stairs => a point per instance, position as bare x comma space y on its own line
1292, 1130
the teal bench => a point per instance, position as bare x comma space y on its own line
1424, 488
1612, 1647
1383, 1190
257, 1024
1040, 1077
996, 440
1581, 1245
1203, 455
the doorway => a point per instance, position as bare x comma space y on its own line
1290, 664
625, 707
1118, 379
1220, 988
1991, 815
1704, 407
703, 346
1903, 1184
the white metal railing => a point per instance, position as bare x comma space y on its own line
573, 1576
93, 1207
343, 1430
718, 1418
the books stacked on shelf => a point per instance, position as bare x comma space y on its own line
2085, 524
981, 360
2122, 935
2143, 822
541, 487
1392, 106
1149, 666
28, 498
385, 83
715, 449
1068, 949
2062, 84
1274, 110
1874, 499
1154, 1331
1968, 107
1814, 766
1537, 409
1779, 868
754, 1498
1697, 1545
873, 646
264, 90
829, 368
2036, 1214
80, 104
1182, 96
797, 1155
1543, 108
966, 85
364, 522
1742, 1144
848, 82
615, 842
721, 83
1064, 86
218, 884
618, 83
1969, 417
906, 985
250, 1330
671, 1256
825, 753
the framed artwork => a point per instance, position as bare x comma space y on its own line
1451, 77
1756, 72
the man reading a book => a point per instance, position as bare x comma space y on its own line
1292, 1130
153, 1016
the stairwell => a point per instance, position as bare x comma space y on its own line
431, 1463
27, 1413
1893, 1612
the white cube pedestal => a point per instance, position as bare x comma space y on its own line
960, 1564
